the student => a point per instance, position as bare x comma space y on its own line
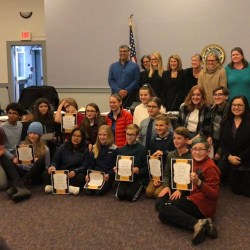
73, 156
194, 211
14, 130
42, 112
118, 119
17, 191
180, 139
147, 126
91, 123
32, 173
104, 158
160, 146
131, 190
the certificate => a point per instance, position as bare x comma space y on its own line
68, 122
124, 166
25, 154
60, 182
180, 174
48, 136
96, 180
155, 167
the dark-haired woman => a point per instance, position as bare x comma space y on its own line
72, 156
235, 143
238, 74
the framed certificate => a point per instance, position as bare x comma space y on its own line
124, 166
69, 122
180, 174
155, 167
25, 154
60, 182
96, 180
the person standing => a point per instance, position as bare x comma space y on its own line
124, 77
238, 74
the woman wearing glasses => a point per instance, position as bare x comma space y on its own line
212, 76
194, 114
235, 143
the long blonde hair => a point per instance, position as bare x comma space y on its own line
38, 145
109, 141
160, 66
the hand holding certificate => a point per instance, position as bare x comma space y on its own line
60, 182
25, 154
180, 173
124, 165
68, 122
155, 167
96, 180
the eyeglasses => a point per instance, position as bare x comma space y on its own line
198, 149
238, 105
90, 111
146, 62
152, 107
154, 59
77, 136
130, 135
218, 95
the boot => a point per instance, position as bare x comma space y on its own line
10, 191
21, 194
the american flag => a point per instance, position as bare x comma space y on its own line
132, 43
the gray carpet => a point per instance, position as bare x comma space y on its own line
81, 222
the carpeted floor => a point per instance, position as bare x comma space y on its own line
81, 222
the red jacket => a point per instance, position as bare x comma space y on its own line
205, 197
123, 120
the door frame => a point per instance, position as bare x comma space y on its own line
9, 45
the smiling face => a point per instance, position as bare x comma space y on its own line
236, 57
153, 109
13, 116
195, 62
179, 141
238, 107
124, 54
76, 138
161, 128
33, 137
199, 151
114, 104
43, 108
173, 63
144, 96
196, 97
69, 108
211, 62
154, 61
146, 63
102, 136
131, 136
219, 97
90, 113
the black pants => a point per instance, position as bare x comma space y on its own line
128, 100
239, 182
129, 191
181, 212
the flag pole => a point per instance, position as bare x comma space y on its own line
131, 40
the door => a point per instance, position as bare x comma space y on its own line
26, 64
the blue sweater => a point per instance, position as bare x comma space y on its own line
124, 76
67, 158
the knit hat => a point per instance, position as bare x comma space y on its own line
2, 137
35, 127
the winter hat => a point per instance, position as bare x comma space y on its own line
2, 137
35, 127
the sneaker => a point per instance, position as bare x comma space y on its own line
200, 230
211, 229
48, 189
74, 190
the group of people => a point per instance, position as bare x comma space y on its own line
206, 122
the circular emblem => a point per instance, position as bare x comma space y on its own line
213, 48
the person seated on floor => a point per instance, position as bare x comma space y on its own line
32, 173
147, 126
68, 105
91, 123
14, 130
180, 139
194, 212
160, 146
131, 190
42, 112
17, 191
74, 156
103, 159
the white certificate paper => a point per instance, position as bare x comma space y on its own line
25, 154
180, 173
124, 166
96, 180
155, 167
68, 122
60, 182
